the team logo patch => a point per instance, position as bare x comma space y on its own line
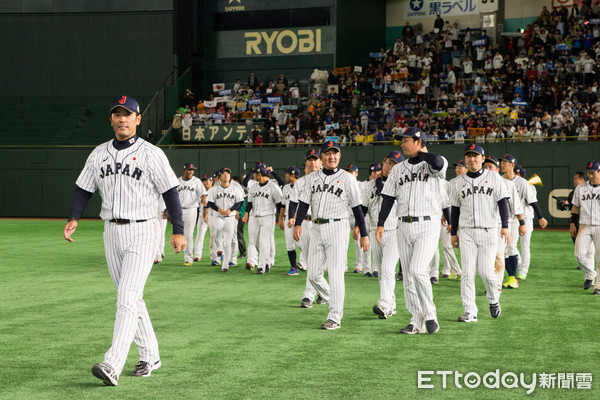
133, 158
397, 155
123, 100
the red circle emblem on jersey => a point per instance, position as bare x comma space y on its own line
133, 158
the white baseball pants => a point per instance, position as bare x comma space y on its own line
525, 257
201, 228
224, 229
385, 258
588, 236
189, 224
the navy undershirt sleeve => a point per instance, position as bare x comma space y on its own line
280, 181
301, 213
171, 198
247, 179
386, 207
237, 205
454, 216
359, 217
292, 209
435, 160
212, 205
248, 207
446, 212
79, 202
536, 210
503, 208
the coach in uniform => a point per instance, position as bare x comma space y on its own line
414, 184
330, 193
130, 174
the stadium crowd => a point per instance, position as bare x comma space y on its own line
454, 83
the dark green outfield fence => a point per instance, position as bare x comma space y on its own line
40, 182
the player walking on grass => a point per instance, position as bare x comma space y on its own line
385, 254
586, 212
202, 224
479, 203
291, 176
191, 195
330, 193
225, 199
414, 184
130, 175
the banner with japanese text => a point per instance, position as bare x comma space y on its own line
218, 133
445, 8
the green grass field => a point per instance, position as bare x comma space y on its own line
244, 336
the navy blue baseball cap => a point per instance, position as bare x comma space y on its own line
127, 102
189, 166
261, 169
375, 167
293, 170
352, 167
328, 145
510, 158
217, 174
312, 153
593, 166
461, 163
225, 170
474, 148
395, 155
206, 177
521, 171
414, 132
493, 160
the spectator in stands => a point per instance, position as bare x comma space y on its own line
438, 23
253, 81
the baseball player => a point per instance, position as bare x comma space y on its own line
191, 196
130, 174
365, 256
264, 199
479, 202
385, 255
528, 198
312, 163
586, 212
329, 193
225, 199
524, 258
202, 225
291, 176
516, 225
414, 184
359, 258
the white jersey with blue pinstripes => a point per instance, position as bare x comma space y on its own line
330, 196
130, 181
417, 189
478, 199
587, 198
372, 200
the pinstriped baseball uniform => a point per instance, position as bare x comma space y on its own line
201, 228
515, 207
477, 195
526, 197
234, 243
190, 195
160, 247
223, 228
330, 197
130, 182
309, 292
264, 199
385, 255
451, 265
418, 194
525, 257
587, 198
287, 192
362, 258
434, 266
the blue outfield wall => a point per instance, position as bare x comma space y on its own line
40, 182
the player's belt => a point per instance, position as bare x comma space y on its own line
308, 218
415, 219
321, 221
126, 221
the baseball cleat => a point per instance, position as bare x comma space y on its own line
242, 255
300, 266
106, 374
453, 277
596, 292
144, 368
468, 317
587, 284
511, 283
330, 325
292, 271
367, 274
432, 326
196, 259
156, 261
445, 276
380, 312
522, 276
320, 300
267, 268
357, 270
225, 269
187, 264
214, 263
376, 274
409, 329
259, 271
249, 267
495, 310
232, 264
433, 280
306, 303
400, 277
